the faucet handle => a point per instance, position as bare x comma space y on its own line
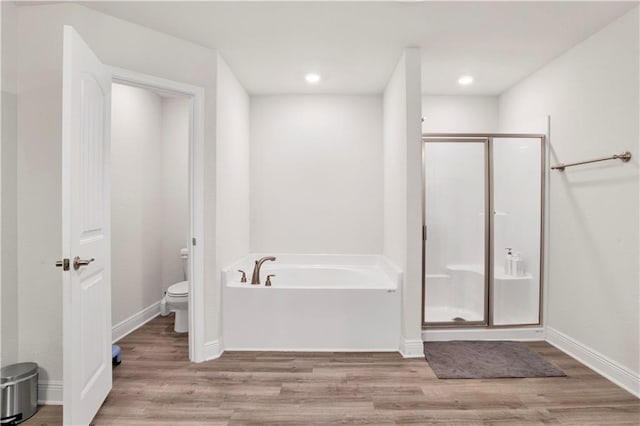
243, 278
268, 283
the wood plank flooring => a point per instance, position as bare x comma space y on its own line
156, 385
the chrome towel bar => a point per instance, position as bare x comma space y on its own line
625, 156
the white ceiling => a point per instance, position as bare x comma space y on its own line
355, 45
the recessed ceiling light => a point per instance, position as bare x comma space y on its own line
312, 78
465, 80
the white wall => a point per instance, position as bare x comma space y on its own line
149, 196
395, 160
402, 191
316, 174
459, 114
116, 43
136, 236
232, 170
591, 94
174, 192
232, 166
39, 192
8, 155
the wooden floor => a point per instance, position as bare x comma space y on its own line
157, 385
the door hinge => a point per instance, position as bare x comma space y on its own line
193, 241
424, 233
64, 264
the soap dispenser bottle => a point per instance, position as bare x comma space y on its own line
508, 263
517, 265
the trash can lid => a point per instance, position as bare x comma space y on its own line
15, 372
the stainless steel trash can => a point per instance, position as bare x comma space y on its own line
19, 392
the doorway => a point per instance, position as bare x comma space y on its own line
149, 170
483, 210
179, 99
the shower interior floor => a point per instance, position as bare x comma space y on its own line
451, 314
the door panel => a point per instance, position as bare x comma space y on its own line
85, 231
517, 189
91, 177
455, 216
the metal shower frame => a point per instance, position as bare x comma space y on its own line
487, 140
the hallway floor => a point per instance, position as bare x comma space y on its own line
156, 384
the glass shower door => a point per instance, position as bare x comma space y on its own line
456, 245
517, 200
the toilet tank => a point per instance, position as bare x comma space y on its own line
184, 256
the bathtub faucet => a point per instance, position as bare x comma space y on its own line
255, 278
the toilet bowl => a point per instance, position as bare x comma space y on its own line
176, 299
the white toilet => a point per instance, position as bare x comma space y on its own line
176, 299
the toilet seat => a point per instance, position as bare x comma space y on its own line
179, 289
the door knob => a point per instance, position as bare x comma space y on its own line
77, 262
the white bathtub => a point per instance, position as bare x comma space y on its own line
315, 303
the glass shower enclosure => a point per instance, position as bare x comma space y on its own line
483, 209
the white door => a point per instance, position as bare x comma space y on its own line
86, 99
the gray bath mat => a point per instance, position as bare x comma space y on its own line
486, 360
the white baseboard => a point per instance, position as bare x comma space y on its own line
135, 321
521, 334
598, 362
212, 350
50, 392
308, 349
411, 348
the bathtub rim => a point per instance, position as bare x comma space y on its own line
386, 266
